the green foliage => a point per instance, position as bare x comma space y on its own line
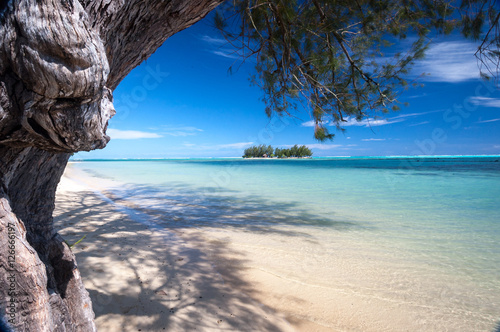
334, 56
74, 244
262, 151
480, 20
258, 151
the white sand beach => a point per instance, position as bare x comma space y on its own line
142, 278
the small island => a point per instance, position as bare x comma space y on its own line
263, 151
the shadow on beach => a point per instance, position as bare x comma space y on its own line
144, 277
179, 206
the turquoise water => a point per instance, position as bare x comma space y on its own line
432, 222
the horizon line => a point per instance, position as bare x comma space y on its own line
322, 157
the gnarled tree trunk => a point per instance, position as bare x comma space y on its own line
60, 60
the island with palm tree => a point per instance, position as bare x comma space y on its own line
263, 151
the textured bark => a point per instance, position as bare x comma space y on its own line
60, 60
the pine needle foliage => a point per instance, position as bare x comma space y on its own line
335, 56
480, 21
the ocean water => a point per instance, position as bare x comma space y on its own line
418, 236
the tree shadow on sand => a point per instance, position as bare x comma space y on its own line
140, 275
180, 206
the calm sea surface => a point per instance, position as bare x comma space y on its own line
420, 232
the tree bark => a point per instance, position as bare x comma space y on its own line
60, 60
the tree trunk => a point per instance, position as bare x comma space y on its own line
60, 60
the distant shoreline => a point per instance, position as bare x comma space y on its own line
277, 158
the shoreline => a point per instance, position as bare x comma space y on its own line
142, 276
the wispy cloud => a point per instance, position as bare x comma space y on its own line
324, 146
372, 122
213, 41
417, 96
221, 47
334, 147
350, 121
216, 147
373, 139
241, 145
485, 101
312, 123
410, 115
487, 121
451, 61
130, 134
180, 131
419, 124
230, 54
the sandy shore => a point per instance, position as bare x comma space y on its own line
145, 278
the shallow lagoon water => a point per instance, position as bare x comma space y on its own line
417, 235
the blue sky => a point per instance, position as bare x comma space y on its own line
182, 102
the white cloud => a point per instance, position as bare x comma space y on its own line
485, 101
227, 54
419, 124
349, 121
216, 147
409, 115
417, 96
214, 41
310, 123
323, 146
368, 122
181, 131
221, 47
371, 122
241, 145
373, 139
452, 61
130, 134
487, 121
